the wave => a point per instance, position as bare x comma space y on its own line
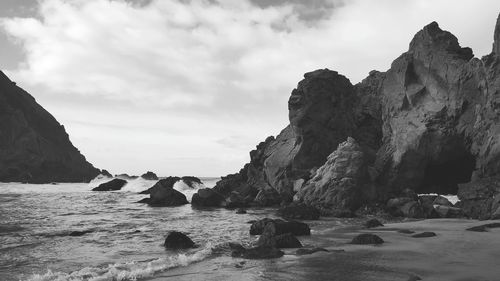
129, 271
138, 185
185, 189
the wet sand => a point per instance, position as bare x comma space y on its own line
454, 254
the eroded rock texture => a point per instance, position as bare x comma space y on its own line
428, 124
34, 147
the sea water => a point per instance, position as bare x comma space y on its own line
124, 239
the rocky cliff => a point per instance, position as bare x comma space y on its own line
428, 124
34, 147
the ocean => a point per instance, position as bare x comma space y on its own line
123, 239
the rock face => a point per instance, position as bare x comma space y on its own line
207, 197
112, 185
34, 147
429, 124
342, 183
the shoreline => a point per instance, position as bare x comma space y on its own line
454, 254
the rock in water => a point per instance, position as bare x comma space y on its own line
178, 240
191, 181
207, 197
149, 176
106, 173
34, 147
163, 194
112, 185
367, 238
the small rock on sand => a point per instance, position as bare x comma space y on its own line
424, 234
367, 238
373, 223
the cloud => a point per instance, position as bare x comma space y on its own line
221, 69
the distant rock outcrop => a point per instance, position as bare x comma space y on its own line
112, 185
34, 147
428, 124
149, 176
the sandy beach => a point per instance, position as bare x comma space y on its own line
454, 254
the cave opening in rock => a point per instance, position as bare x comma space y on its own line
443, 174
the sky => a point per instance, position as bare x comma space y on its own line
189, 87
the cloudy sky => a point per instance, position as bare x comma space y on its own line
191, 86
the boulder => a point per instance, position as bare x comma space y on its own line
178, 240
191, 181
367, 238
308, 251
484, 227
405, 207
257, 227
286, 240
448, 212
79, 233
112, 185
149, 176
162, 194
278, 227
406, 231
207, 197
298, 212
241, 211
442, 201
412, 209
424, 235
427, 203
373, 223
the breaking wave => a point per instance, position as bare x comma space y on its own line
135, 270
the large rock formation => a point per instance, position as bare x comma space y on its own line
323, 112
34, 147
428, 124
342, 184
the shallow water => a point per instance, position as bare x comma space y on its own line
124, 240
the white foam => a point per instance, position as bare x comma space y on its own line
134, 270
185, 189
137, 185
452, 198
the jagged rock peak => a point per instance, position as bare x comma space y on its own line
496, 37
433, 38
